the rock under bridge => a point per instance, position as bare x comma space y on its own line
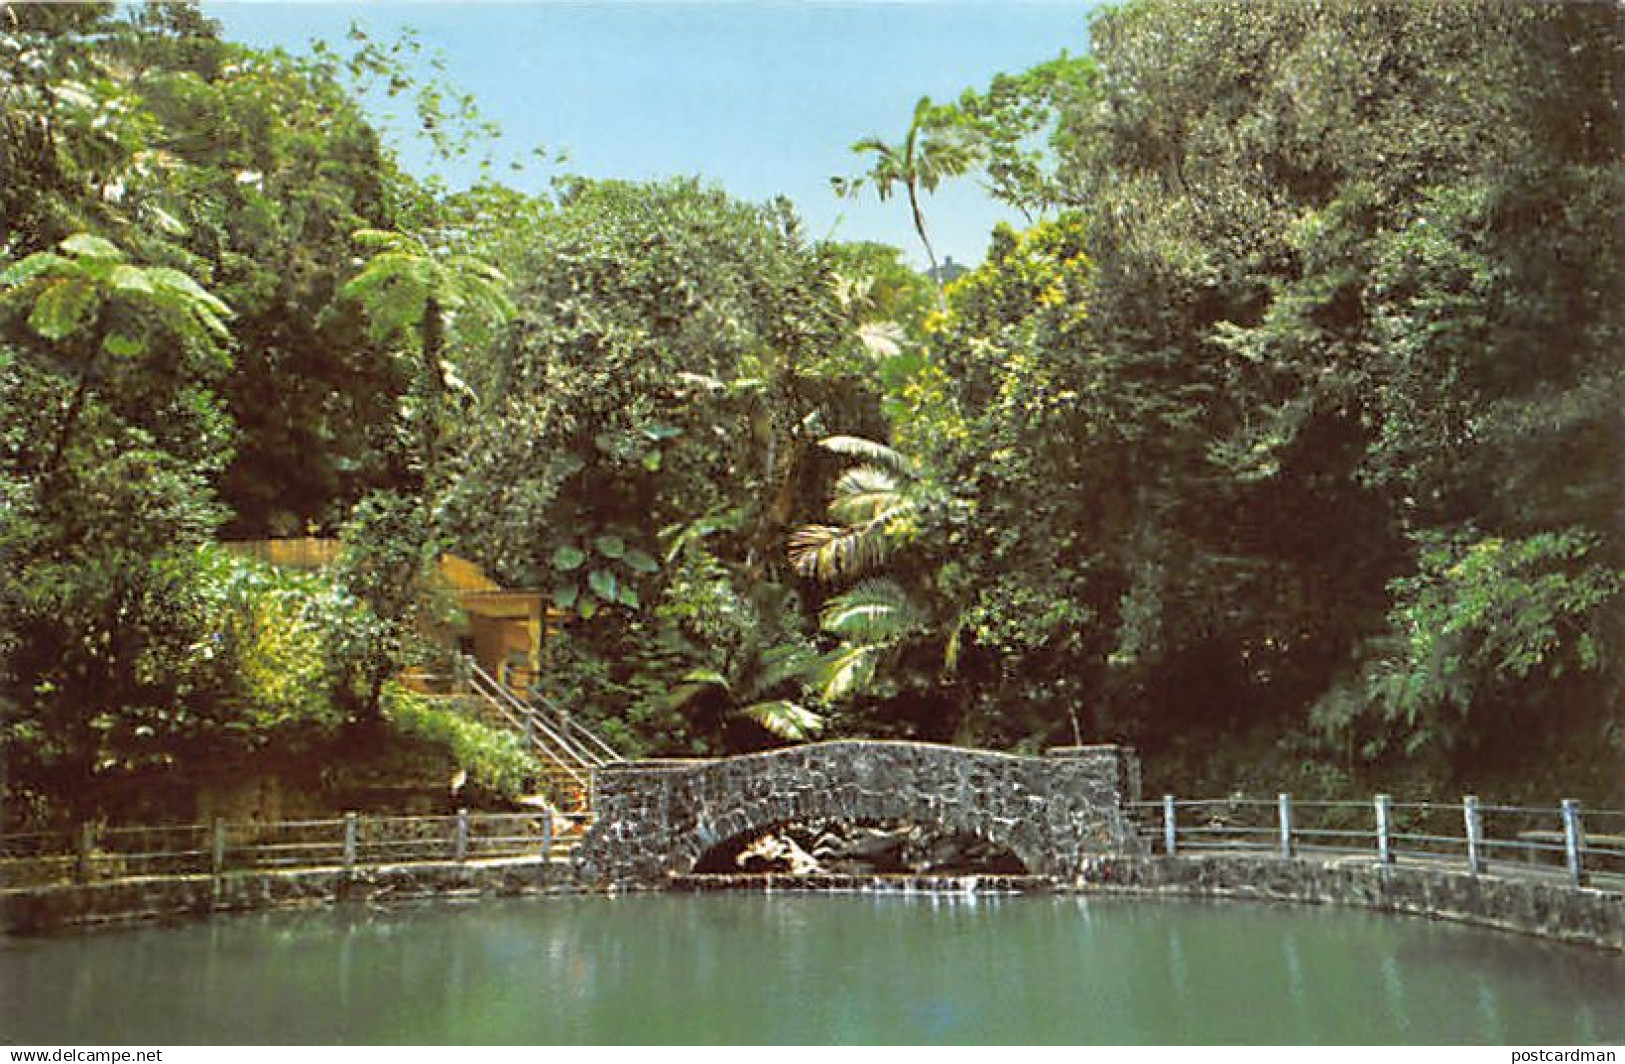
656, 819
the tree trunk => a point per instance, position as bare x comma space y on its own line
930, 252
434, 384
70, 421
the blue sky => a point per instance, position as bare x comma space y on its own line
763, 97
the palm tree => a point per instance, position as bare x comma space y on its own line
412, 290
936, 147
753, 677
873, 501
873, 619
876, 502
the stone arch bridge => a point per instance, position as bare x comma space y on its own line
655, 819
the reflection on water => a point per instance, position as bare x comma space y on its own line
1393, 985
809, 968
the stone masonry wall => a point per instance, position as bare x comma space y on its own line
657, 818
38, 909
1548, 908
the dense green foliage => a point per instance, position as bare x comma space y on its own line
1283, 442
1302, 418
643, 440
494, 760
176, 219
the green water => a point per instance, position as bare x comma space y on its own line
808, 969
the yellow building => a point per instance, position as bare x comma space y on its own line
505, 630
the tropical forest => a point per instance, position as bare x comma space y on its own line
1278, 439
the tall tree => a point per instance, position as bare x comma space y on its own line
101, 323
417, 292
936, 147
646, 436
105, 368
1315, 373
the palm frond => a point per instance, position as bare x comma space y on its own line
865, 493
683, 694
786, 719
883, 339
845, 671
875, 611
827, 552
696, 682
780, 664
868, 451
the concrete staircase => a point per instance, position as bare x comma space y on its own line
569, 752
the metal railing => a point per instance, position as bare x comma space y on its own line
547, 741
584, 736
569, 747
1558, 840
95, 853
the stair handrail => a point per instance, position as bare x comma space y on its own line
609, 755
529, 721
483, 687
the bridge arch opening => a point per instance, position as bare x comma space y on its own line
859, 846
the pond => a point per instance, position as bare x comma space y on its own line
749, 968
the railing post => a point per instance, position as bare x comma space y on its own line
459, 848
1572, 838
350, 834
530, 728
1385, 827
1284, 803
84, 852
547, 836
217, 851
1170, 828
1475, 834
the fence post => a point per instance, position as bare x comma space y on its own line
217, 852
547, 836
84, 853
1475, 834
530, 728
350, 834
459, 849
1284, 802
1572, 836
1385, 826
1170, 830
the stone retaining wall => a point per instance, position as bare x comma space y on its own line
838, 883
1548, 908
40, 909
658, 818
